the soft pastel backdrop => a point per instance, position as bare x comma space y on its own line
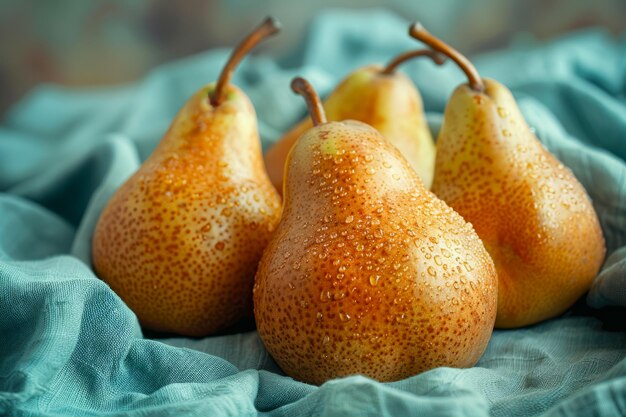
103, 42
69, 345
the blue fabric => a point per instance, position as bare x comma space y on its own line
69, 345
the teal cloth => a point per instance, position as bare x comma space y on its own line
70, 347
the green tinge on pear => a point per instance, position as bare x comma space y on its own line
329, 146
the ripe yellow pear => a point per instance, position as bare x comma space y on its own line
534, 217
368, 272
181, 239
383, 98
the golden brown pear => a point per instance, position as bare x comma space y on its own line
383, 98
368, 272
534, 217
181, 239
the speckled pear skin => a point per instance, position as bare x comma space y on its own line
368, 272
181, 239
388, 102
535, 218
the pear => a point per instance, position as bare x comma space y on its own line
368, 272
386, 100
534, 217
180, 240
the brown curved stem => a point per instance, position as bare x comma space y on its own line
420, 33
301, 86
269, 27
437, 57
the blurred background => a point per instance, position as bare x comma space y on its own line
95, 43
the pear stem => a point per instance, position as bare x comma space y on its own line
269, 27
437, 57
420, 33
301, 86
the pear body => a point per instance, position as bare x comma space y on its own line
534, 217
390, 103
180, 240
368, 272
